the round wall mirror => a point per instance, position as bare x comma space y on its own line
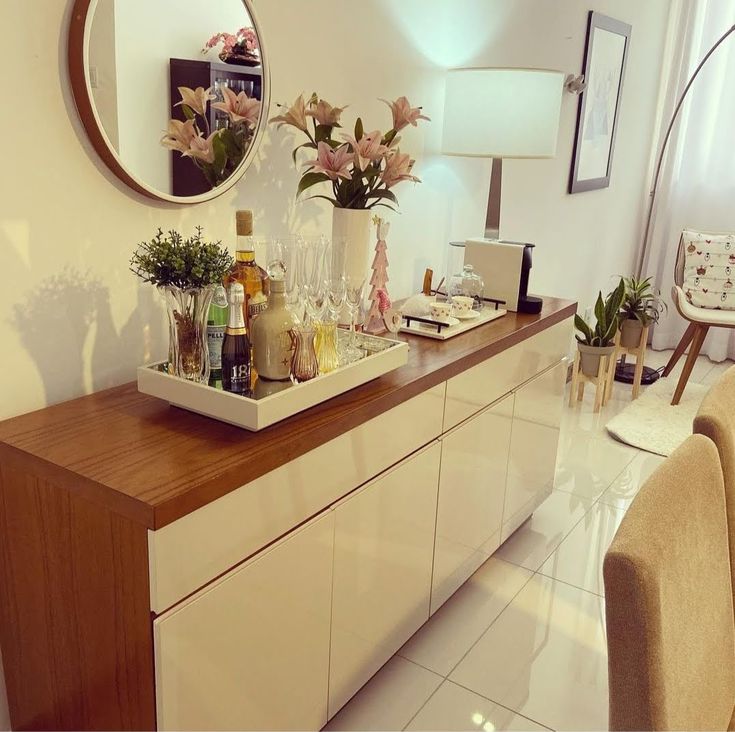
173, 94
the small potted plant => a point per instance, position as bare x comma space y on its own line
641, 307
186, 271
594, 343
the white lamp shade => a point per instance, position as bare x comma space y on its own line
502, 113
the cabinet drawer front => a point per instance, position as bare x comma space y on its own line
471, 494
192, 551
487, 382
251, 652
539, 405
383, 548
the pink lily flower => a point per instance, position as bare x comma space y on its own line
404, 114
398, 168
201, 148
367, 149
295, 115
179, 135
240, 107
333, 163
325, 114
196, 99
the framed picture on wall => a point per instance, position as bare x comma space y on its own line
605, 54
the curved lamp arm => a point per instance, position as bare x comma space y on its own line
659, 164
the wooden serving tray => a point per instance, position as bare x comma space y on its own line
439, 330
273, 401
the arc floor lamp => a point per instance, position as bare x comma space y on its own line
625, 372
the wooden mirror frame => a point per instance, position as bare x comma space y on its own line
79, 26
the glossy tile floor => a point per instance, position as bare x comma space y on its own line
521, 646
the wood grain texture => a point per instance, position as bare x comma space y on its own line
75, 625
156, 463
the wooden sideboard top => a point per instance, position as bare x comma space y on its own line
155, 463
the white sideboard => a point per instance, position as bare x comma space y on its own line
347, 550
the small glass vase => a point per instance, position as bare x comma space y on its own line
187, 323
305, 365
326, 346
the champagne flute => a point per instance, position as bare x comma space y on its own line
354, 290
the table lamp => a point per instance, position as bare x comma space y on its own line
503, 113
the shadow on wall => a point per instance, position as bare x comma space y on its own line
56, 318
268, 187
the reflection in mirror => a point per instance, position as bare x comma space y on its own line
177, 87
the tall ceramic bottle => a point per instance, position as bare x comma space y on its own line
270, 335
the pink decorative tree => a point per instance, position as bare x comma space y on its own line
379, 300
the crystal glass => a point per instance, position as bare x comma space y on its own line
188, 310
305, 365
354, 293
312, 252
283, 257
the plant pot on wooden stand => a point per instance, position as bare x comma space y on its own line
630, 332
594, 360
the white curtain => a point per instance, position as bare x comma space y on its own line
697, 184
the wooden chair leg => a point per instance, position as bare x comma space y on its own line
686, 339
698, 339
640, 358
575, 380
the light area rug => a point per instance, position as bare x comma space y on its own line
652, 424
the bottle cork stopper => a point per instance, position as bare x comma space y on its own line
244, 222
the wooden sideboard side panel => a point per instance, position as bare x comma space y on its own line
75, 626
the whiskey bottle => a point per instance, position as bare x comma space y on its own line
216, 323
246, 271
236, 346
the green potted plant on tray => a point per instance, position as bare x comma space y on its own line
186, 271
594, 343
641, 307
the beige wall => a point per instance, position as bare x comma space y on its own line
73, 318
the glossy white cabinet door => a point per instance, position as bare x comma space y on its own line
537, 417
481, 385
251, 652
471, 494
383, 547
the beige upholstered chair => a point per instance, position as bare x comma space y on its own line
700, 321
716, 420
668, 598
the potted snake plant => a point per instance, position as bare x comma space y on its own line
641, 307
598, 341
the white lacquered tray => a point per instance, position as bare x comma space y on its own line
273, 401
442, 331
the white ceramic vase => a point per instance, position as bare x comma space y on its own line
354, 225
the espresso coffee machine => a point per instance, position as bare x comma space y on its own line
505, 266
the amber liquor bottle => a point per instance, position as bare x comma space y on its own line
236, 346
246, 271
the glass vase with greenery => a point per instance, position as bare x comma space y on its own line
186, 271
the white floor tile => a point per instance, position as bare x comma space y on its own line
544, 657
657, 359
534, 541
625, 487
389, 700
716, 372
587, 466
453, 629
454, 708
578, 560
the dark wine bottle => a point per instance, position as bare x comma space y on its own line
236, 346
